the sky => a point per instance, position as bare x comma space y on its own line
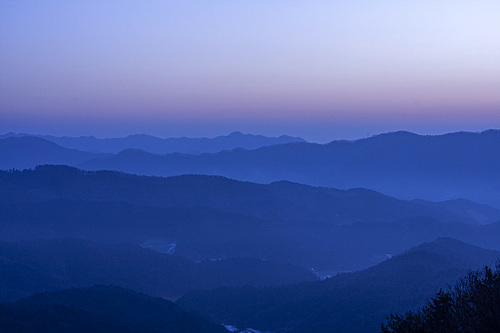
321, 70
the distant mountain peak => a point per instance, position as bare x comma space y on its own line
396, 134
156, 145
491, 131
438, 243
141, 135
461, 252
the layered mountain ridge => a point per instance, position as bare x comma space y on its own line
401, 164
208, 217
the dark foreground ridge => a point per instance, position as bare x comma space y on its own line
99, 309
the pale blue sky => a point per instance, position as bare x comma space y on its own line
318, 69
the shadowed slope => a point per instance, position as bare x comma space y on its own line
36, 266
353, 302
99, 309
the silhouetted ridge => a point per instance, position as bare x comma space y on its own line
301, 202
25, 152
100, 309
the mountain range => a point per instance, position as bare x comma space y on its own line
275, 234
157, 145
401, 164
210, 217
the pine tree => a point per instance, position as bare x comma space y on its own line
472, 305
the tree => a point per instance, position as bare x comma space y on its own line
472, 305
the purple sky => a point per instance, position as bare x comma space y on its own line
318, 69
